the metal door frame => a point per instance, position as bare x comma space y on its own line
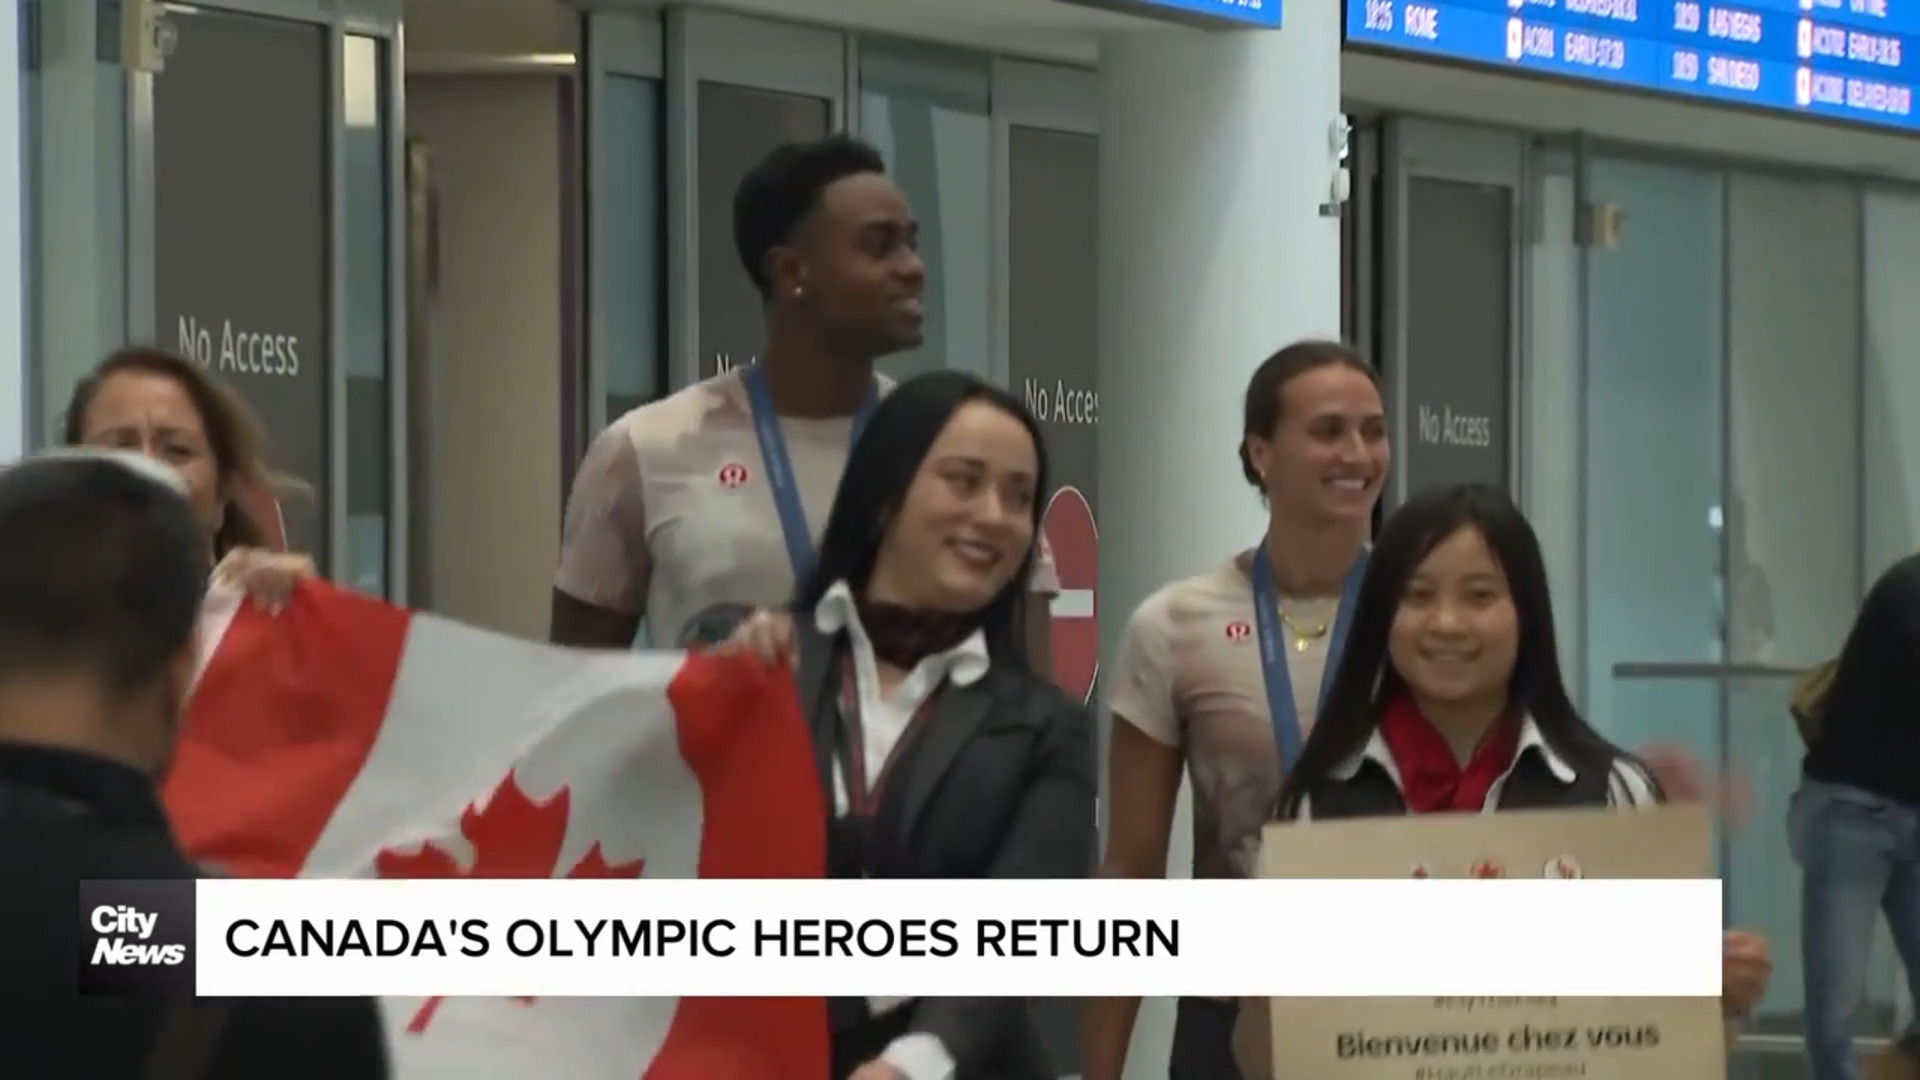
381, 20
618, 44
1046, 97
707, 45
1419, 149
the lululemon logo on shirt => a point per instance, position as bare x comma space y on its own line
1238, 632
734, 475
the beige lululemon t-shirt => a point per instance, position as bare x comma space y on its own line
1188, 675
671, 511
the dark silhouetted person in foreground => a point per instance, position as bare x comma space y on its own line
102, 569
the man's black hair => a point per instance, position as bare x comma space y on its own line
103, 566
778, 194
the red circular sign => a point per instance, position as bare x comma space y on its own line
733, 475
1075, 540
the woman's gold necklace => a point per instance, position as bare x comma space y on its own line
1304, 634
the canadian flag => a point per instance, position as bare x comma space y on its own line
345, 737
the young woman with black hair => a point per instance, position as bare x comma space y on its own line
1449, 699
941, 751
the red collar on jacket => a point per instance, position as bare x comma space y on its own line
1431, 780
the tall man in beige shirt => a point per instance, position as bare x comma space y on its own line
715, 494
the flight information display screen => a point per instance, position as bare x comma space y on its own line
1843, 59
1256, 13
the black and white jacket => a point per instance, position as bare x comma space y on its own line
1368, 784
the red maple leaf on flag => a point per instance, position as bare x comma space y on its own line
512, 836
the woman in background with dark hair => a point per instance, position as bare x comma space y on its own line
1449, 699
168, 408
942, 753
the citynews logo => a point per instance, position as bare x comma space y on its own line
131, 946
136, 938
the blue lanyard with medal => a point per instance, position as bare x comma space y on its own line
1273, 658
780, 478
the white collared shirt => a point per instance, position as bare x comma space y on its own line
884, 719
1628, 787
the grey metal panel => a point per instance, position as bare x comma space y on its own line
141, 325
1051, 97
626, 43
16, 431
1465, 155
337, 554
357, 13
400, 508
417, 453
1365, 167
1392, 356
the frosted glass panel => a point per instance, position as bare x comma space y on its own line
1653, 425
927, 110
1892, 373
628, 244
76, 120
1793, 508
1550, 453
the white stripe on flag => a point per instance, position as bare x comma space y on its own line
1072, 604
216, 615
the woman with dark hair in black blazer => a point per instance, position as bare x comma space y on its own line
942, 753
1449, 699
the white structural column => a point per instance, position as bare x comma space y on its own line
1216, 154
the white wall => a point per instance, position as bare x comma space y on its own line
1192, 296
495, 142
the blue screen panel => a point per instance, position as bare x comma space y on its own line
1260, 13
1841, 59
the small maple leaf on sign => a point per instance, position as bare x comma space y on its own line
512, 836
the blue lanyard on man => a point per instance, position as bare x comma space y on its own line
1287, 734
780, 478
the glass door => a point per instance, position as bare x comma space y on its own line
265, 177
625, 217
1451, 210
741, 87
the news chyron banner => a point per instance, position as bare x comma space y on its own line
721, 937
136, 938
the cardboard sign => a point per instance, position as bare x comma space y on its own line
1484, 1038
1893, 1064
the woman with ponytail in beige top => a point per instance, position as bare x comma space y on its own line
1219, 675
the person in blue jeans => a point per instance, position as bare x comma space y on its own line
1854, 824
